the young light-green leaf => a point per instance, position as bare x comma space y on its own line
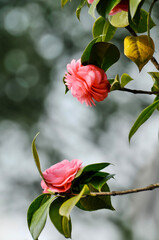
133, 5
116, 84
125, 79
37, 214
36, 156
93, 8
80, 6
68, 205
144, 115
119, 20
63, 2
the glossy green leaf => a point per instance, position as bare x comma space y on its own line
86, 54
63, 2
103, 55
80, 6
116, 84
36, 156
92, 8
143, 117
92, 203
100, 179
125, 79
119, 20
68, 205
133, 5
102, 27
37, 214
61, 224
86, 174
141, 25
104, 7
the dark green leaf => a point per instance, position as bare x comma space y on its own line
103, 55
116, 84
141, 25
144, 115
102, 27
86, 174
78, 10
86, 54
37, 214
104, 7
125, 79
92, 203
58, 221
66, 88
36, 157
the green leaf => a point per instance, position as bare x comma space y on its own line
63, 2
155, 78
68, 205
62, 224
36, 157
102, 27
116, 84
156, 99
92, 203
119, 20
102, 55
133, 5
100, 179
67, 227
104, 7
37, 214
93, 8
80, 6
66, 88
144, 115
94, 167
125, 79
141, 25
86, 174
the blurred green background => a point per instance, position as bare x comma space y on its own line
37, 40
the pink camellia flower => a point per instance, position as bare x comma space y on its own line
59, 177
87, 82
90, 1
122, 6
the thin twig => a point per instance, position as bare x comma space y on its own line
124, 192
134, 91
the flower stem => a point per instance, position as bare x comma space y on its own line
134, 91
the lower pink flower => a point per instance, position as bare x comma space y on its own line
122, 6
59, 177
87, 82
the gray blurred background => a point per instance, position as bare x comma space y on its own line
37, 40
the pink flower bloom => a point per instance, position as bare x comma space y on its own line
122, 6
59, 177
87, 82
90, 1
